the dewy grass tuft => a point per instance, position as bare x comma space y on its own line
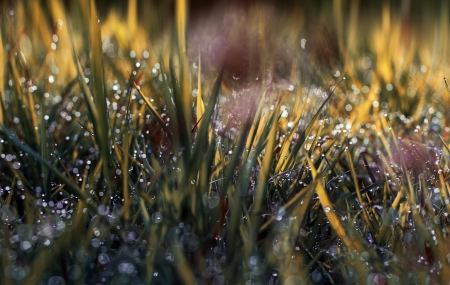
185, 143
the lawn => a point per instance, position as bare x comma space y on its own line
154, 142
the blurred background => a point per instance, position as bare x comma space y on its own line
393, 53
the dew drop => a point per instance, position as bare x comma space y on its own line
157, 217
316, 276
56, 280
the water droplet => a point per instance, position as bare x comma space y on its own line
74, 272
303, 43
376, 279
25, 245
56, 280
103, 210
126, 268
82, 255
95, 242
157, 217
103, 258
316, 276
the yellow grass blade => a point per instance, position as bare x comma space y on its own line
328, 208
200, 104
265, 168
181, 20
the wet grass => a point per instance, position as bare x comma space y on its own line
131, 156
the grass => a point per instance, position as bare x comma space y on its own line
130, 156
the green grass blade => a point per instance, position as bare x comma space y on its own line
101, 127
182, 108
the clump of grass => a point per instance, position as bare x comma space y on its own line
114, 173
